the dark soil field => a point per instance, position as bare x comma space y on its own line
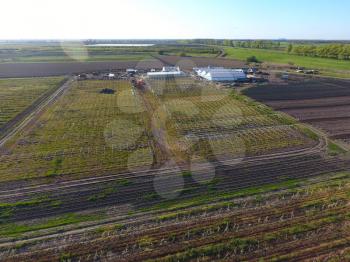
43, 69
68, 68
324, 103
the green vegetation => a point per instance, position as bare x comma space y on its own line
145, 241
282, 57
311, 134
104, 194
335, 51
66, 257
110, 190
334, 149
252, 59
302, 228
82, 131
17, 94
123, 182
236, 245
109, 228
215, 196
194, 107
12, 229
7, 209
261, 44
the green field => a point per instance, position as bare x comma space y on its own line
17, 94
87, 133
84, 130
280, 57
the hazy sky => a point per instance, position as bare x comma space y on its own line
142, 19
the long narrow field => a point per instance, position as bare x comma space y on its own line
45, 69
16, 95
175, 170
323, 103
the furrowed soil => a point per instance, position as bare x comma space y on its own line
324, 103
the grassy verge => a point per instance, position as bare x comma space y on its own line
16, 229
334, 149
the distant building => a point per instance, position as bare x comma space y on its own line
285, 76
167, 72
171, 69
131, 71
220, 74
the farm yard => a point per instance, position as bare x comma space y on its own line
134, 172
323, 103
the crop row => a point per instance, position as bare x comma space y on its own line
309, 214
84, 128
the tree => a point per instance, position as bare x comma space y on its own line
227, 43
290, 48
252, 59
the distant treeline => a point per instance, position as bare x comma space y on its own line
325, 49
262, 44
336, 51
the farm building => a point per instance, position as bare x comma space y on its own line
131, 71
167, 72
220, 74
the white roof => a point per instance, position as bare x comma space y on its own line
170, 69
220, 73
165, 74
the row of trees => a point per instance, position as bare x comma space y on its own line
260, 44
336, 51
263, 44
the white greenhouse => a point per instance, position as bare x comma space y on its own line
220, 74
167, 72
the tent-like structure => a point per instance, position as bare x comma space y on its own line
220, 74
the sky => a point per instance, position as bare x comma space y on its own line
175, 19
